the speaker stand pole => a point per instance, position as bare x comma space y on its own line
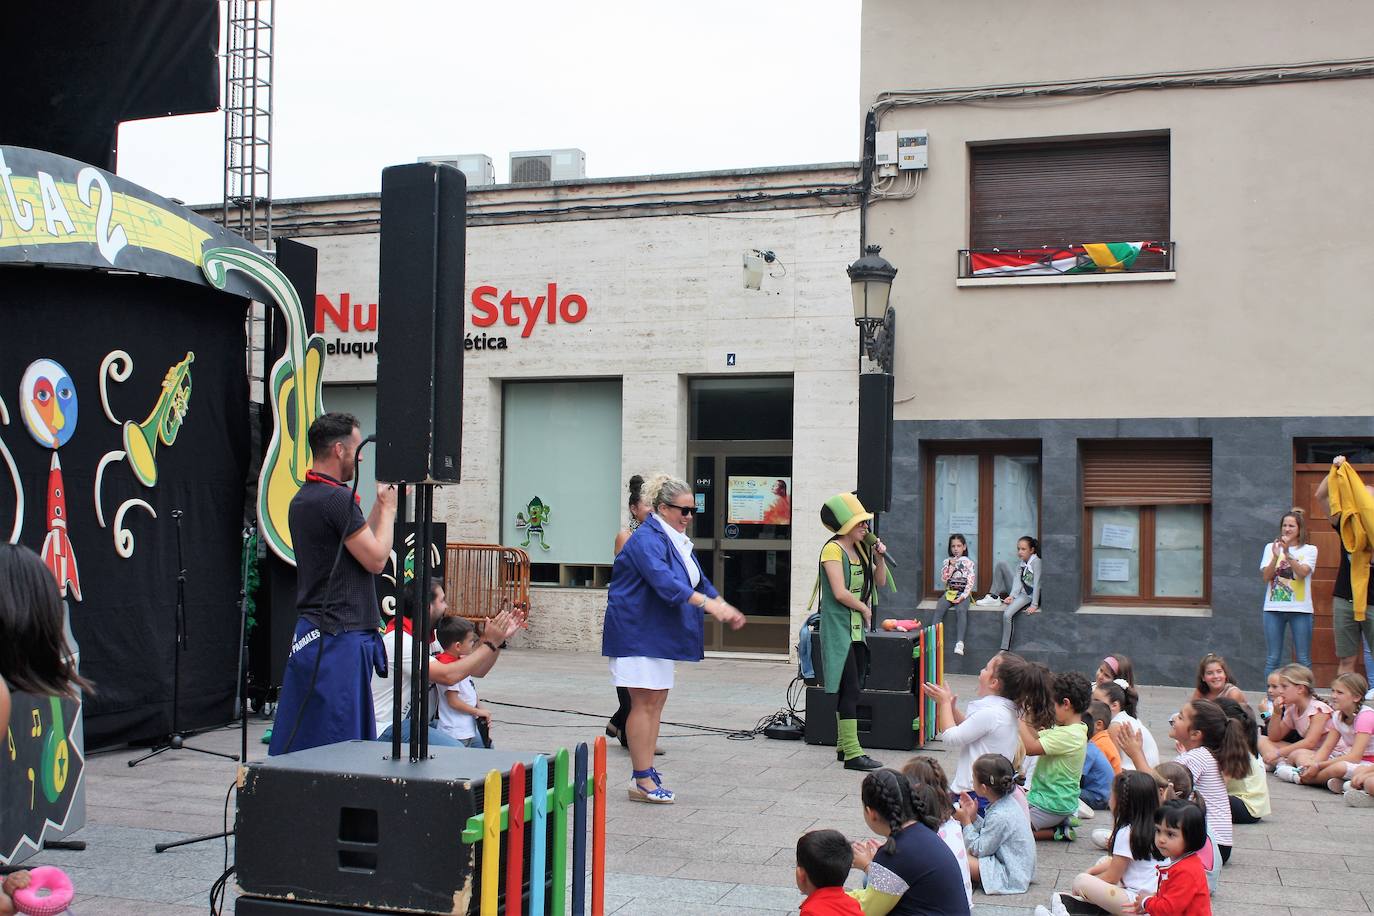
176, 740
243, 694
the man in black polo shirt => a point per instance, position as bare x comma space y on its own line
326, 693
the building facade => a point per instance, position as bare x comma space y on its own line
609, 332
1151, 423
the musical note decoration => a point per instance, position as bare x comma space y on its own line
295, 390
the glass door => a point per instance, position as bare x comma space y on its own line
743, 536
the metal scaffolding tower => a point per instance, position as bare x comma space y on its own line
248, 150
248, 121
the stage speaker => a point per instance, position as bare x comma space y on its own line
343, 825
892, 660
886, 719
420, 331
875, 441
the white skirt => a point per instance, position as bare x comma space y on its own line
641, 671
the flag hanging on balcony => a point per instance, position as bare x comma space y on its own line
1094, 257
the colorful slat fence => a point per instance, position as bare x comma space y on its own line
569, 791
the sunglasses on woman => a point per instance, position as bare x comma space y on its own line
687, 511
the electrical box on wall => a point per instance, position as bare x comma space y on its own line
912, 149
885, 147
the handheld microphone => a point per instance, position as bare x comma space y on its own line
870, 539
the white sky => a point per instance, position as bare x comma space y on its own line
641, 87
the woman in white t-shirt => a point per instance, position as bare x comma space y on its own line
1286, 568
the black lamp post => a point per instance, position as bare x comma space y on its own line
870, 281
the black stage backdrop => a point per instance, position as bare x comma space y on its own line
124, 624
83, 66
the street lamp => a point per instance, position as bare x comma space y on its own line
870, 282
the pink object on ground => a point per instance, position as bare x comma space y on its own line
49, 892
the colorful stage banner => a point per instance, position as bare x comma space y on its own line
55, 210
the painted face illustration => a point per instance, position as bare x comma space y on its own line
47, 396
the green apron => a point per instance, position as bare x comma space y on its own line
840, 626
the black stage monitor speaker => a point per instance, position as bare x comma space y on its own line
420, 335
892, 661
342, 824
885, 719
875, 441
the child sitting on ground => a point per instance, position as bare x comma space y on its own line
1176, 781
1302, 722
1099, 734
824, 858
1249, 797
1180, 831
1122, 700
912, 870
1214, 750
1115, 667
1346, 745
1273, 690
1129, 873
1001, 849
459, 712
1060, 749
1360, 792
926, 771
1095, 786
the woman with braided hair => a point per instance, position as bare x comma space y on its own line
912, 873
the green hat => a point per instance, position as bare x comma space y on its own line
842, 512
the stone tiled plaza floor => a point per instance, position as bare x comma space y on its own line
727, 845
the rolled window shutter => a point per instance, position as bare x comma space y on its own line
1069, 193
1147, 473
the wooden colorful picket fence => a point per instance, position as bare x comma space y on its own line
569, 791
930, 667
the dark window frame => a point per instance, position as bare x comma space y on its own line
986, 452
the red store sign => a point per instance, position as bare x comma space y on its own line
489, 305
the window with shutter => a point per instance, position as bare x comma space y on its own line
1147, 521
1071, 192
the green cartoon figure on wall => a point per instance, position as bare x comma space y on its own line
534, 524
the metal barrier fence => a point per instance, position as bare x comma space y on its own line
482, 579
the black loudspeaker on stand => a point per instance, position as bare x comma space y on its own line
875, 441
420, 337
176, 739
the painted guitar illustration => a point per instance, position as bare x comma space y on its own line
296, 395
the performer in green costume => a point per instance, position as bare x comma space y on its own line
851, 572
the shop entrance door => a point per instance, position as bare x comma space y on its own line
739, 451
743, 538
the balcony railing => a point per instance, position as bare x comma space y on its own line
1096, 258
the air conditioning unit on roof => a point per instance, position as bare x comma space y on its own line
539, 165
476, 167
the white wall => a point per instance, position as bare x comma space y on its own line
665, 302
1268, 207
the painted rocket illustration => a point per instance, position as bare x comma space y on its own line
47, 397
57, 547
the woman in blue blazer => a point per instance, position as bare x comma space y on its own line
653, 618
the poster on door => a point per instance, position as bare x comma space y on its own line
759, 501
